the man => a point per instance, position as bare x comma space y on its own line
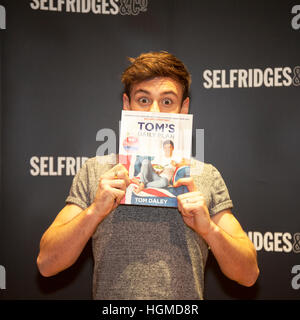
145, 252
157, 173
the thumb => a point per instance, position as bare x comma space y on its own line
189, 182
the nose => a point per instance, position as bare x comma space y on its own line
154, 107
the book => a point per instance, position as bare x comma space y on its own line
155, 148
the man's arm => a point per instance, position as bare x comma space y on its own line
232, 248
230, 245
64, 240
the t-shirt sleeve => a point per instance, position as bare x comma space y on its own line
79, 193
220, 199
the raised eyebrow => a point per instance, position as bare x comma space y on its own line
141, 91
162, 94
169, 92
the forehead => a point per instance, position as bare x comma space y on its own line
168, 145
159, 85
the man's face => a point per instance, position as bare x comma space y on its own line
160, 94
168, 150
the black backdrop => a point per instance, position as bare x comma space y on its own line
60, 84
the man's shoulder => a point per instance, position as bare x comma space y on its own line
102, 160
101, 163
200, 168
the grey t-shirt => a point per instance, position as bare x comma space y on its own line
144, 252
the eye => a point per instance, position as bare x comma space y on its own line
167, 101
143, 100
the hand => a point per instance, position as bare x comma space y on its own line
139, 185
193, 209
111, 189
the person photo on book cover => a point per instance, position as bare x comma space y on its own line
145, 252
158, 173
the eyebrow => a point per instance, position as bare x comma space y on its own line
163, 93
141, 91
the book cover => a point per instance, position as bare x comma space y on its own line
156, 150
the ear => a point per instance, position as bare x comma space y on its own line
185, 106
126, 102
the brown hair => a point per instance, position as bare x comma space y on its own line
156, 64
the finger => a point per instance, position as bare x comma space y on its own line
192, 197
117, 184
116, 195
186, 203
123, 175
179, 205
198, 201
185, 212
189, 182
181, 200
188, 195
120, 168
190, 200
190, 209
120, 172
115, 171
119, 195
